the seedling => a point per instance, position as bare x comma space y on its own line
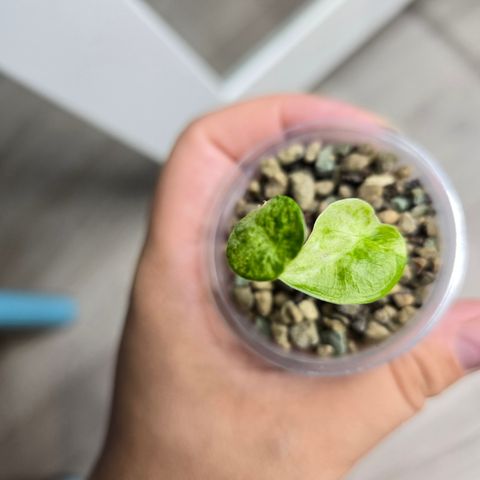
349, 258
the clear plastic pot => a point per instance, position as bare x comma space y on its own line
442, 291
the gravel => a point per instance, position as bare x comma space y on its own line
316, 175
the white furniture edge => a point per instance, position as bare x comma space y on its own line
310, 45
121, 67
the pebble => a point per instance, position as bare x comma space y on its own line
280, 335
405, 314
336, 340
396, 289
427, 252
402, 299
389, 216
303, 189
312, 209
431, 227
273, 188
327, 309
359, 325
426, 278
354, 178
400, 203
419, 263
254, 187
345, 191
325, 163
262, 285
325, 350
342, 318
367, 149
350, 310
421, 293
262, 325
382, 301
343, 149
420, 210
356, 162
304, 335
312, 151
272, 170
400, 187
418, 196
277, 183
334, 324
240, 281
376, 331
404, 171
352, 346
336, 336
309, 309
324, 187
385, 162
243, 207
263, 301
382, 180
385, 314
290, 313
291, 154
325, 203
280, 298
407, 275
243, 297
407, 224
371, 193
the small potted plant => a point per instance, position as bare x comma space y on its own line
336, 247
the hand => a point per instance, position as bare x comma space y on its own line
189, 401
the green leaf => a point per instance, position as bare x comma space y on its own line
266, 240
350, 257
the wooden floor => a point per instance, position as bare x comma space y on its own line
224, 31
74, 204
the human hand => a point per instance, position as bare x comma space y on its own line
189, 401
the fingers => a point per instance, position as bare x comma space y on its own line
240, 127
464, 328
205, 153
443, 357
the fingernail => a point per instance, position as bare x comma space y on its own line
468, 344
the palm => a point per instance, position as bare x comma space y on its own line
185, 381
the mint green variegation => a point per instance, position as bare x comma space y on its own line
267, 239
350, 257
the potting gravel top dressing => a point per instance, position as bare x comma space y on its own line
334, 247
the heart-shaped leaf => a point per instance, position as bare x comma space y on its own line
267, 239
350, 257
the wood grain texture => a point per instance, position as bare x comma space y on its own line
74, 206
459, 22
223, 31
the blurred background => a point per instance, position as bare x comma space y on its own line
75, 197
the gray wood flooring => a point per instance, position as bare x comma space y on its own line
74, 205
225, 30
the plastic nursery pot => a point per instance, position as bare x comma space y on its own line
452, 248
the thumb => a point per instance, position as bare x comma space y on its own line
443, 358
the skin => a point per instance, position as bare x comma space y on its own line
189, 401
